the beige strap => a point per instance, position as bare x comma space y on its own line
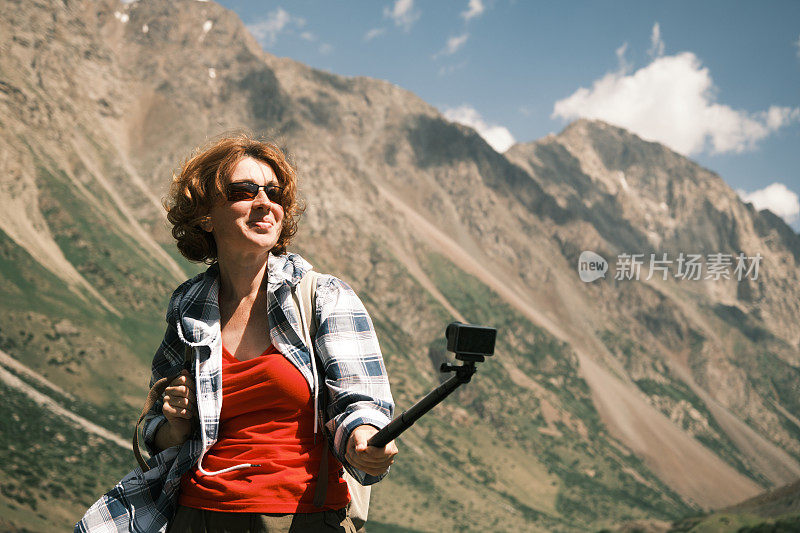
305, 298
358, 508
308, 297
156, 392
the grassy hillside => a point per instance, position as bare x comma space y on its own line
491, 457
775, 511
51, 471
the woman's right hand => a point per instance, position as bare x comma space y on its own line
180, 406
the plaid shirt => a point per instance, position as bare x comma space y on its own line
357, 385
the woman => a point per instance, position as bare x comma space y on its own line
245, 414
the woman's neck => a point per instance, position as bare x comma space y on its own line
241, 277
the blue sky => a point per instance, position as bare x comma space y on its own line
718, 81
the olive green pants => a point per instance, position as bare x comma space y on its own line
190, 520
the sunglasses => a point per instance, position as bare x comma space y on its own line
247, 190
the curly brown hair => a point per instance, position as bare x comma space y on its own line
202, 180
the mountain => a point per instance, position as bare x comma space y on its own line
611, 401
660, 202
773, 511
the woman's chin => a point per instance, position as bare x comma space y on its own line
253, 245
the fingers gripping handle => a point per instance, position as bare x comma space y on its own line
156, 392
388, 433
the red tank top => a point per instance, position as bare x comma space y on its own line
267, 418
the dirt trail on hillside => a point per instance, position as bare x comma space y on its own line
48, 403
680, 461
9, 362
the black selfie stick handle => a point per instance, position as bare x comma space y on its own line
407, 419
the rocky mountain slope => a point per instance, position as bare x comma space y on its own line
607, 401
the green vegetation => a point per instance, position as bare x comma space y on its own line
766, 365
777, 381
739, 523
786, 524
594, 486
669, 392
51, 470
71, 468
117, 418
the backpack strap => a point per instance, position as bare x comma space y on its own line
156, 392
306, 299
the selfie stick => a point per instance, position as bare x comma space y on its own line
470, 344
407, 419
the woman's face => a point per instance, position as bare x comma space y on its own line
247, 226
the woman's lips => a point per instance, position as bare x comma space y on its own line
261, 224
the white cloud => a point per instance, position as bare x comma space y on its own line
656, 44
672, 101
498, 137
374, 32
444, 70
777, 198
453, 45
776, 117
325, 49
622, 64
475, 8
797, 44
308, 36
403, 14
278, 21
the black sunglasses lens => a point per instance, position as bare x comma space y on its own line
247, 191
242, 191
275, 194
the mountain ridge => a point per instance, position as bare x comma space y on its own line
429, 224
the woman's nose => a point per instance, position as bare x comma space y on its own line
261, 198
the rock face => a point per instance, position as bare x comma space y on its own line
674, 205
619, 399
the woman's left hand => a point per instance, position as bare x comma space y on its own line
372, 460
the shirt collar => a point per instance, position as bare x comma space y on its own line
198, 308
287, 268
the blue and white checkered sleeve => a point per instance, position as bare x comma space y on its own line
154, 418
355, 375
166, 357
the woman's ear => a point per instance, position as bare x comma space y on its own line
206, 225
